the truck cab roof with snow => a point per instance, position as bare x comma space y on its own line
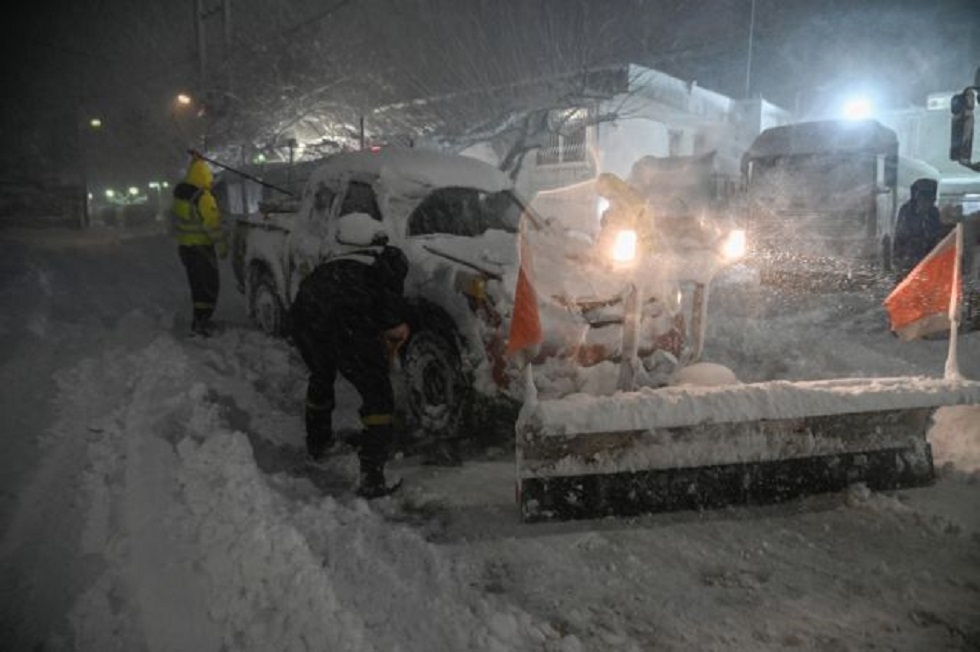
823, 136
416, 167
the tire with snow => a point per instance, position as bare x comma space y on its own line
435, 386
266, 309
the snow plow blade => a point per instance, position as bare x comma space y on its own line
694, 448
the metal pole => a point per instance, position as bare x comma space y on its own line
201, 47
226, 5
748, 57
239, 172
82, 153
631, 328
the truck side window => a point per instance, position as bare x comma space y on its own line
466, 212
360, 199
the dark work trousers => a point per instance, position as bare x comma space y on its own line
327, 348
201, 263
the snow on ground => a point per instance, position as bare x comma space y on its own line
153, 498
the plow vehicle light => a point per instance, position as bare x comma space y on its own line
471, 285
734, 247
624, 247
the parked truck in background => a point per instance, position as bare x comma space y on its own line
820, 200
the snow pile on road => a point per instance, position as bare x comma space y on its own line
175, 498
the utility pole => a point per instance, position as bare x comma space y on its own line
202, 55
748, 56
226, 6
201, 14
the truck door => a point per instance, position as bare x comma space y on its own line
885, 207
308, 237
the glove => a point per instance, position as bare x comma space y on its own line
394, 338
222, 248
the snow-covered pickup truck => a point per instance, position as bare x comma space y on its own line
457, 220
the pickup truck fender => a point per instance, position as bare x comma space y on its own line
257, 265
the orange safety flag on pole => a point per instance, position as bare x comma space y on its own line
926, 301
525, 322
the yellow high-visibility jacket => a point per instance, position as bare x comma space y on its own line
194, 215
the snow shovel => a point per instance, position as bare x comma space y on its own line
696, 448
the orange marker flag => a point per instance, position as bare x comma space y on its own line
926, 300
525, 322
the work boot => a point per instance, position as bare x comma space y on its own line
318, 446
372, 483
202, 327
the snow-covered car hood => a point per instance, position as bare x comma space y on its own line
494, 252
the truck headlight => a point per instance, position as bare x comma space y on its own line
734, 245
473, 286
624, 246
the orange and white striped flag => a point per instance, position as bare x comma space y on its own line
525, 321
927, 299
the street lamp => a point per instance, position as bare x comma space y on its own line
182, 102
857, 108
94, 124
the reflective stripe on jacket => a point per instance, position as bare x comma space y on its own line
194, 216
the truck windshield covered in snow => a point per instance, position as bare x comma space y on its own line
465, 212
829, 189
821, 196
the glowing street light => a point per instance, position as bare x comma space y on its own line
95, 123
183, 99
110, 193
857, 108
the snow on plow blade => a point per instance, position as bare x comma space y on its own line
691, 448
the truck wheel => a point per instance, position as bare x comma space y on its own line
267, 310
436, 390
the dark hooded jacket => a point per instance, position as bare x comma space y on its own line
354, 293
917, 232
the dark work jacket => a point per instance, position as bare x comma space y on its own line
352, 295
916, 234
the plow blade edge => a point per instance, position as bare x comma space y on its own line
591, 457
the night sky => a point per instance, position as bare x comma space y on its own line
125, 59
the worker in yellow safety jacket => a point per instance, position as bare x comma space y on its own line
196, 224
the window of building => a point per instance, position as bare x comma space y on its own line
676, 142
700, 143
567, 140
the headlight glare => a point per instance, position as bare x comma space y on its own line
734, 247
624, 246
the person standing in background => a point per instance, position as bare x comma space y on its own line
918, 228
196, 224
